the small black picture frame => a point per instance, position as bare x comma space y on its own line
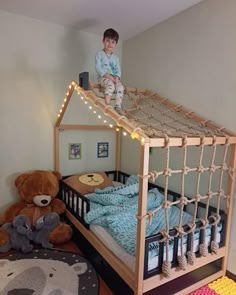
75, 150
103, 149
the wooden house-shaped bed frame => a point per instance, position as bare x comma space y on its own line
174, 126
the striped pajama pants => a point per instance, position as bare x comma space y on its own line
110, 87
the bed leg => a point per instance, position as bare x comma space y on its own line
138, 290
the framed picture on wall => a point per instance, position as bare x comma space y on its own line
75, 151
103, 149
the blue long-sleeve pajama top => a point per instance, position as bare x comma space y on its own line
107, 64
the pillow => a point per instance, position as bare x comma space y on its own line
87, 183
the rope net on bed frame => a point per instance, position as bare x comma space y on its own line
158, 117
222, 169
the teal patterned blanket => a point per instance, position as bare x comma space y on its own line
116, 207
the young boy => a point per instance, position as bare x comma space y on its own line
108, 69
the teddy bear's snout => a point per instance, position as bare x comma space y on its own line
42, 200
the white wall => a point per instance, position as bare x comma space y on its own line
79, 113
38, 60
191, 59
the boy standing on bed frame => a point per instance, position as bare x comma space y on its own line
108, 69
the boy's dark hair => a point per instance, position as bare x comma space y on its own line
112, 34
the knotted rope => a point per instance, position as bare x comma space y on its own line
214, 243
166, 266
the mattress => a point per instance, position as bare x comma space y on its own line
106, 238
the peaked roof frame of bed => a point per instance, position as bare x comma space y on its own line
199, 132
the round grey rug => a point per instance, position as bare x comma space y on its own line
47, 272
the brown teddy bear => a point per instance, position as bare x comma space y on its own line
38, 190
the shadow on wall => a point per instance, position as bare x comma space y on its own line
78, 48
10, 183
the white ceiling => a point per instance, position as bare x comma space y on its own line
128, 17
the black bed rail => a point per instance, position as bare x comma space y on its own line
76, 203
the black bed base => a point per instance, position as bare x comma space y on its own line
72, 198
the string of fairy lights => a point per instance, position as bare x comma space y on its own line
83, 97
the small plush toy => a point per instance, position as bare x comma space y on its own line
19, 231
38, 190
44, 226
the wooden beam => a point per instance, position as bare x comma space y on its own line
118, 149
141, 224
158, 280
191, 141
231, 193
85, 127
56, 149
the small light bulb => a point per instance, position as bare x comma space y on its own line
70, 87
85, 102
105, 121
65, 99
117, 129
94, 112
60, 110
111, 125
143, 140
82, 97
63, 105
90, 107
58, 115
124, 133
133, 135
67, 93
99, 116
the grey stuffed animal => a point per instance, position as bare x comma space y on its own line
44, 226
19, 231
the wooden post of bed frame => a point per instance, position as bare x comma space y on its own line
118, 138
56, 148
230, 192
141, 224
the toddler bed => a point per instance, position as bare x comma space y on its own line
155, 252
184, 253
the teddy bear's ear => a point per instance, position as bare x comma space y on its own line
57, 174
20, 180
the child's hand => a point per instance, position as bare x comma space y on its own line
107, 76
116, 79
